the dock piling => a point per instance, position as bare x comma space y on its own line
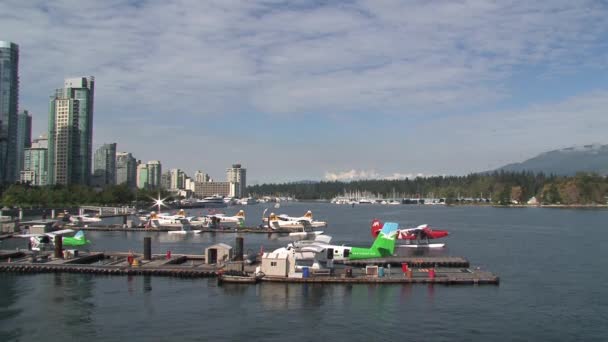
58, 246
239, 249
147, 248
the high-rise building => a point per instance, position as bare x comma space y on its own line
165, 180
35, 165
9, 105
154, 173
201, 177
236, 174
142, 176
24, 137
126, 169
178, 178
105, 165
71, 132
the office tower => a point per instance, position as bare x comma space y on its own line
126, 169
201, 177
105, 165
143, 176
71, 132
35, 161
236, 174
178, 178
165, 180
154, 173
9, 103
24, 136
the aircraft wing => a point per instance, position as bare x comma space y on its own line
27, 235
313, 248
323, 238
63, 231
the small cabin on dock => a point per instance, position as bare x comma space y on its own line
217, 253
276, 264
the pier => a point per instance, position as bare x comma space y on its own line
412, 261
194, 266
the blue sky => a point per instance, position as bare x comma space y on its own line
323, 90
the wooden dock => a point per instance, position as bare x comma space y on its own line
463, 277
247, 230
193, 266
412, 261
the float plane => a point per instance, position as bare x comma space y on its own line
414, 237
46, 241
286, 222
383, 246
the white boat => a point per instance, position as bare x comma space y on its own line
214, 201
84, 219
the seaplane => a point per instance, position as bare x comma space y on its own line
321, 249
217, 218
414, 237
46, 241
288, 222
166, 219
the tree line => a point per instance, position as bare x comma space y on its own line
25, 195
501, 187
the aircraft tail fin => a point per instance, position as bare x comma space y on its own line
385, 242
241, 213
79, 235
308, 214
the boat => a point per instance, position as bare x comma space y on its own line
236, 277
213, 201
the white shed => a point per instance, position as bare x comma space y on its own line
219, 252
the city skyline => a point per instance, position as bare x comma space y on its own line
344, 90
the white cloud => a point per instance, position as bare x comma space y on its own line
353, 174
162, 64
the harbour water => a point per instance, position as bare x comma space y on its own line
552, 264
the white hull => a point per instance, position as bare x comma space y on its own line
425, 245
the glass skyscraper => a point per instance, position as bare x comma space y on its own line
105, 165
126, 169
71, 132
9, 104
24, 137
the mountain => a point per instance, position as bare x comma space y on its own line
567, 161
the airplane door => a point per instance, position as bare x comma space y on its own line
346, 253
330, 254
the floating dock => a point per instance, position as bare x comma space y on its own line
412, 261
194, 266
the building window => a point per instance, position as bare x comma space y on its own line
273, 263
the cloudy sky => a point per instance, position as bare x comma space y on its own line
310, 90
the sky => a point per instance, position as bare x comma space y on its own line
323, 90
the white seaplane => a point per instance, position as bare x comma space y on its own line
212, 220
288, 222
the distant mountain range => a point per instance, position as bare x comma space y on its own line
567, 161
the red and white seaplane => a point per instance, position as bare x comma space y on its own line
414, 237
